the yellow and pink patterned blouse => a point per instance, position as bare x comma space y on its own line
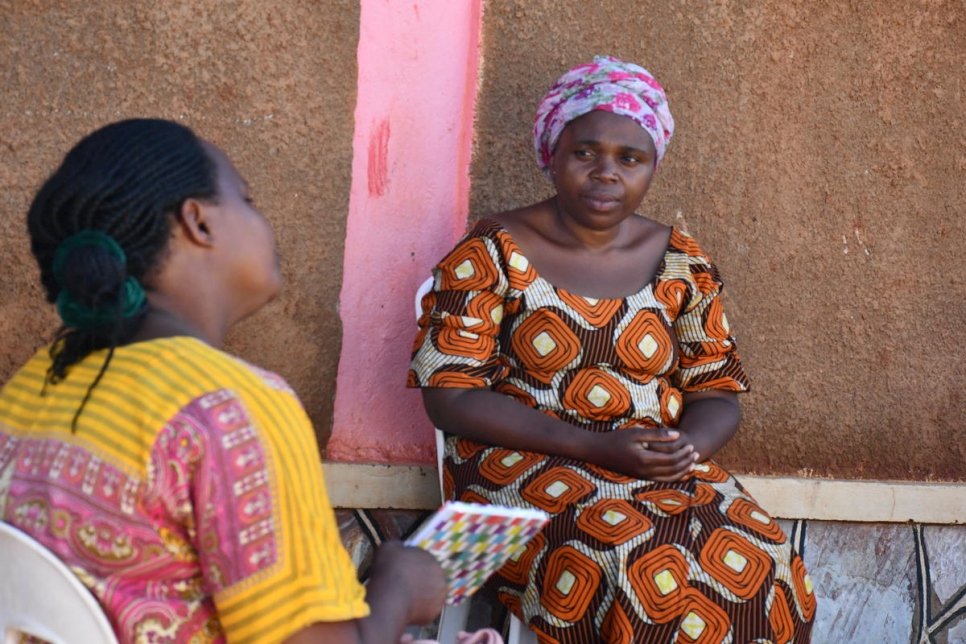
190, 499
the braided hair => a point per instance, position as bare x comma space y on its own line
124, 182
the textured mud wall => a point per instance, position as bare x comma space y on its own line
819, 158
272, 82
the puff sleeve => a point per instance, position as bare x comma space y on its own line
458, 342
709, 358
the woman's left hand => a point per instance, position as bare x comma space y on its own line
670, 445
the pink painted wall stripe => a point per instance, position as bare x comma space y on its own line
418, 68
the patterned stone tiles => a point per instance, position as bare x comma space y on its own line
865, 580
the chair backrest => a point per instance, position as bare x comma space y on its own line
423, 289
40, 596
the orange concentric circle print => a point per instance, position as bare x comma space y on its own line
572, 580
613, 521
597, 395
487, 307
449, 485
749, 515
739, 565
715, 322
466, 448
517, 568
703, 495
685, 243
705, 282
709, 471
724, 384
520, 273
456, 379
673, 294
512, 603
617, 627
468, 268
608, 475
672, 403
667, 501
780, 617
472, 496
659, 579
804, 593
645, 345
504, 466
545, 343
556, 489
703, 621
597, 312
459, 342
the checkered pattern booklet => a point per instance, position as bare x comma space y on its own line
471, 541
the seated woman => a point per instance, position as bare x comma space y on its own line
181, 484
578, 358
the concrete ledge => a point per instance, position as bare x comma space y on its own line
410, 487
869, 501
396, 487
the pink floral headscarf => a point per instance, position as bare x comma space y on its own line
608, 84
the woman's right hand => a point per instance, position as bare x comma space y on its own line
406, 586
414, 574
652, 453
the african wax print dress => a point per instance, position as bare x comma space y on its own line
622, 560
190, 499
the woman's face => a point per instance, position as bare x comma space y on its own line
249, 260
602, 168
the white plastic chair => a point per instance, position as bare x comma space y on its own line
454, 618
40, 596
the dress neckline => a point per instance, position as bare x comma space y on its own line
650, 284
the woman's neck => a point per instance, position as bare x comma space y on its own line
165, 321
570, 233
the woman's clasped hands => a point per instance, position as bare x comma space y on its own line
654, 453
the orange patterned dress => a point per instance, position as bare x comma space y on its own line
622, 560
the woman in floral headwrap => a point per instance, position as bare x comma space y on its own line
578, 358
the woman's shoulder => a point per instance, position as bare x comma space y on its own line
503, 225
486, 258
185, 368
497, 233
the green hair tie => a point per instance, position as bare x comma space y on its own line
77, 315
88, 237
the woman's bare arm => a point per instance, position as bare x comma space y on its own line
406, 586
709, 420
493, 418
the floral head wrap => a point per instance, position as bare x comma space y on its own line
608, 84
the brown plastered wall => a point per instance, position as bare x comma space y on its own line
272, 83
820, 158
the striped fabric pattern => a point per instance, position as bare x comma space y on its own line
190, 499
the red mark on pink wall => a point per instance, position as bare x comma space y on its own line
379, 159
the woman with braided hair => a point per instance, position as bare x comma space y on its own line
181, 484
578, 357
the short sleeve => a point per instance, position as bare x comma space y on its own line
266, 537
709, 357
458, 342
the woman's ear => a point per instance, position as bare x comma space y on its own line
193, 221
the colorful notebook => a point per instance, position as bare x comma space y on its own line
472, 541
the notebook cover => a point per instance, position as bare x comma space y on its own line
472, 541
